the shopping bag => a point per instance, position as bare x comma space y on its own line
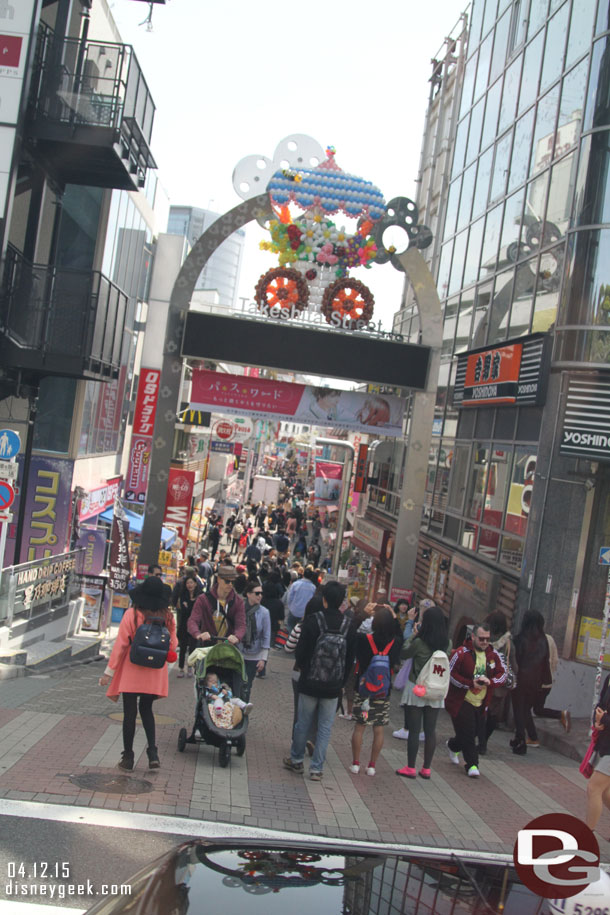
585, 767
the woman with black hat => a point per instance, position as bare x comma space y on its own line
133, 681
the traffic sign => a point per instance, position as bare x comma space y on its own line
604, 556
7, 494
8, 470
9, 443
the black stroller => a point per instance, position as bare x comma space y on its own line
225, 660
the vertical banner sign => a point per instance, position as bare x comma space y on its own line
47, 509
327, 487
93, 542
136, 482
179, 503
119, 556
361, 469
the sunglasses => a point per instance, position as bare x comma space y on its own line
258, 593
482, 638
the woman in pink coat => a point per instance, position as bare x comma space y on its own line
132, 681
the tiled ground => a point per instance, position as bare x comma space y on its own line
58, 726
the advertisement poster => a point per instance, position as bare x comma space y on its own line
589, 641
98, 500
327, 488
136, 482
92, 589
47, 509
239, 394
179, 503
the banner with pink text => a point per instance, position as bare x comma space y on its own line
300, 403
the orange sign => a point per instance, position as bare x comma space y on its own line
492, 376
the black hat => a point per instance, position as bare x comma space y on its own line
152, 594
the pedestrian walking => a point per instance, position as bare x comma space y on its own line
299, 594
324, 654
532, 652
214, 540
476, 670
598, 786
139, 686
385, 640
219, 613
257, 637
236, 534
497, 710
429, 636
184, 600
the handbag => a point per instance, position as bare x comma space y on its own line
402, 677
586, 767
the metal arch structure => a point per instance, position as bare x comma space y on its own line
412, 263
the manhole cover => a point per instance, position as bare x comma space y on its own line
111, 784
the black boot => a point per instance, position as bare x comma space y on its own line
126, 761
520, 747
153, 758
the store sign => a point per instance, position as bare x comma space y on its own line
369, 537
514, 373
586, 422
136, 482
474, 586
47, 507
146, 403
93, 542
221, 447
362, 465
119, 555
98, 500
179, 503
45, 583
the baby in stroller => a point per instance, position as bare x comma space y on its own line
226, 710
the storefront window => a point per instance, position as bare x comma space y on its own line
459, 472
477, 482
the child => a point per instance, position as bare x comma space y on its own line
225, 709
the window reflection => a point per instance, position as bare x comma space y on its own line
459, 471
537, 15
586, 299
483, 68
452, 206
597, 106
469, 77
509, 94
477, 481
482, 183
489, 251
592, 204
531, 71
458, 262
521, 151
471, 267
462, 334
474, 137
491, 114
544, 131
481, 314
511, 227
500, 44
498, 181
466, 198
555, 42
581, 28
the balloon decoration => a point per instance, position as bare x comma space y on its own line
319, 252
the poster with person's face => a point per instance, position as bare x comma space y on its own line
327, 488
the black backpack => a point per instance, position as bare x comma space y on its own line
327, 665
150, 643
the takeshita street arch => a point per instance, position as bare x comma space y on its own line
348, 348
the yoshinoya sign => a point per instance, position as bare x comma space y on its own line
512, 373
586, 423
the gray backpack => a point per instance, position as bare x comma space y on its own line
327, 665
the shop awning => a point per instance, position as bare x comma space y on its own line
135, 525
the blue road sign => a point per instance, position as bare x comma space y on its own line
604, 556
7, 494
9, 444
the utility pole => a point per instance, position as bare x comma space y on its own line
348, 464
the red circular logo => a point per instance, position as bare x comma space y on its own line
224, 431
556, 856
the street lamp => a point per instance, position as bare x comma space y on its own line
348, 464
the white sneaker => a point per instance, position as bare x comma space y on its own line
401, 734
454, 757
370, 770
473, 772
354, 769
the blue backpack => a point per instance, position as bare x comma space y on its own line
375, 681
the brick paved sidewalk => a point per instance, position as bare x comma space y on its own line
59, 727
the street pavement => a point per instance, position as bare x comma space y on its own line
60, 740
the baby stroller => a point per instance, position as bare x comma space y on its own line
225, 660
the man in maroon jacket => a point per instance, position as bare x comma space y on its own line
220, 613
475, 671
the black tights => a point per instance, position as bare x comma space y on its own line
413, 717
130, 710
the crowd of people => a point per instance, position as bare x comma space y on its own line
262, 594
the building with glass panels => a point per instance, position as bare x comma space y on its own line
518, 511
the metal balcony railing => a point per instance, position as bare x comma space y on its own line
70, 318
97, 85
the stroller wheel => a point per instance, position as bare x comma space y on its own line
241, 746
181, 740
224, 755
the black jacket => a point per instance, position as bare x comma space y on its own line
310, 633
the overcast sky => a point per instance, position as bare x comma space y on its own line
231, 79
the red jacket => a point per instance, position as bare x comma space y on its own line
201, 618
461, 669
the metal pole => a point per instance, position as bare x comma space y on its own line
345, 481
27, 461
602, 644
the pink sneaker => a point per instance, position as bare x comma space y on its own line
424, 773
406, 772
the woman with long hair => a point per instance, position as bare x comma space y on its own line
428, 636
184, 601
385, 631
532, 653
134, 682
